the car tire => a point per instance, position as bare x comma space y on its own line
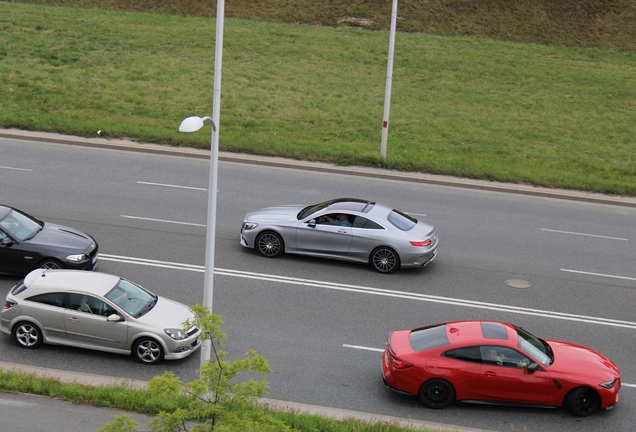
582, 401
384, 260
437, 393
27, 335
147, 351
270, 244
50, 264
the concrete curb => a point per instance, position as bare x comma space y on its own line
439, 180
335, 413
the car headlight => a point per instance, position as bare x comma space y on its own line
609, 384
76, 258
175, 333
249, 226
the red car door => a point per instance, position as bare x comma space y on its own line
506, 377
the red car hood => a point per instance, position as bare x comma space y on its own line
576, 359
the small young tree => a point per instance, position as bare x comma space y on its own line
213, 393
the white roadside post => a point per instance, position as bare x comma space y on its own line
389, 79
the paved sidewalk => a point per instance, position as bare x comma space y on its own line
102, 380
125, 145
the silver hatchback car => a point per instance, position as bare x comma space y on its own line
97, 311
344, 228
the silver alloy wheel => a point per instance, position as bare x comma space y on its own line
27, 335
384, 260
148, 351
50, 265
269, 244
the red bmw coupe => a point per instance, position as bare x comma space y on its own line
497, 363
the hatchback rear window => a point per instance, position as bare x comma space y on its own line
18, 288
428, 337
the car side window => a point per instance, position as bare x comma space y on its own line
52, 299
503, 356
365, 223
469, 354
89, 304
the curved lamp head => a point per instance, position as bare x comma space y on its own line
194, 123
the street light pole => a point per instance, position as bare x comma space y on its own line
389, 80
190, 125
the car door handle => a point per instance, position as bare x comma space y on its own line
74, 319
490, 373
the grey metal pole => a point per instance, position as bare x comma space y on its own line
208, 282
389, 80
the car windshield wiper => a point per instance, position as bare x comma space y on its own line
34, 234
147, 308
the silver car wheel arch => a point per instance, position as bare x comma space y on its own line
27, 335
148, 350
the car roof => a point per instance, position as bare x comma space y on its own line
41, 281
470, 332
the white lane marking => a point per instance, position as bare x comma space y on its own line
583, 234
162, 220
171, 186
599, 274
628, 385
15, 169
377, 291
362, 348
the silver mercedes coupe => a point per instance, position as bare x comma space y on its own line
343, 228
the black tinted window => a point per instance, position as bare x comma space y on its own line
428, 338
53, 299
470, 354
361, 222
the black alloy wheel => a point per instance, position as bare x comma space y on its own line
582, 401
437, 393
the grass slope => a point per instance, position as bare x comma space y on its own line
465, 106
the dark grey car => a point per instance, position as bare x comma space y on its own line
27, 243
344, 228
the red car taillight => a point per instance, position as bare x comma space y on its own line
399, 364
422, 243
9, 304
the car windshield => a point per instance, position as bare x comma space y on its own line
132, 298
309, 210
537, 348
20, 225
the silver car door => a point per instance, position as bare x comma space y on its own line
88, 326
323, 238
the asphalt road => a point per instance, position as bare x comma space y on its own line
322, 324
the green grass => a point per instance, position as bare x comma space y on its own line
151, 403
464, 106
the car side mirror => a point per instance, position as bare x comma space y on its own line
113, 318
533, 367
311, 223
6, 241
